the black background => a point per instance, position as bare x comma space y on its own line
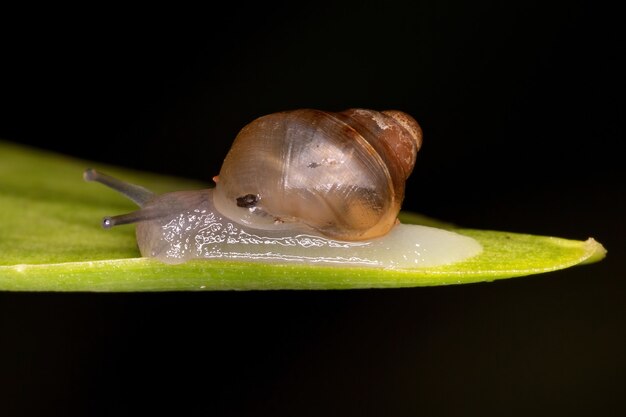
522, 107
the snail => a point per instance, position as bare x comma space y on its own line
305, 186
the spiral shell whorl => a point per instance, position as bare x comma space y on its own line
398, 136
414, 130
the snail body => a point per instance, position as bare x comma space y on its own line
299, 186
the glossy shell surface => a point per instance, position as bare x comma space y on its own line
341, 174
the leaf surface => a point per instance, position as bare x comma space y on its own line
51, 240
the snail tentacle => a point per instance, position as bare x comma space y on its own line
137, 216
138, 194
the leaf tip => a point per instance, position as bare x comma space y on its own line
594, 250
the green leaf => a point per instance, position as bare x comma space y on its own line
51, 240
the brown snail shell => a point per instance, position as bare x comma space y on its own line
342, 174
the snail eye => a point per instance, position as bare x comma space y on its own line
247, 201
